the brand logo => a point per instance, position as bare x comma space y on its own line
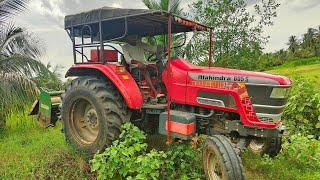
215, 77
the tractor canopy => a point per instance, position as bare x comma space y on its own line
117, 23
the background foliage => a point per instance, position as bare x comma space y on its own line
302, 113
237, 32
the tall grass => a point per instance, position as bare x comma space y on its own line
27, 150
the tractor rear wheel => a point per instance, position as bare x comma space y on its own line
220, 159
92, 112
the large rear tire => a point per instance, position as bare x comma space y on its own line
92, 112
220, 160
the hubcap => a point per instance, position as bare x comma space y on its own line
214, 169
84, 122
256, 145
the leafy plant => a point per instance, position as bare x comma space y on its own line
128, 158
303, 151
183, 162
302, 113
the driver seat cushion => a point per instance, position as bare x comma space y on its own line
109, 55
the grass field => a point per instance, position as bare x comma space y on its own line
308, 68
29, 151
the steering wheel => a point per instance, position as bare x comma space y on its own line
155, 57
161, 54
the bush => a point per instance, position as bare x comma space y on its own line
302, 113
298, 159
303, 151
183, 162
128, 158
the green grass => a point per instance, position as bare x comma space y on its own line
28, 150
308, 68
279, 168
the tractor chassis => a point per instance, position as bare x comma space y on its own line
217, 126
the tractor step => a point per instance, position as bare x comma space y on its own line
155, 109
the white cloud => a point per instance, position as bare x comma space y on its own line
294, 17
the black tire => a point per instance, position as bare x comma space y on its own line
93, 112
270, 146
221, 160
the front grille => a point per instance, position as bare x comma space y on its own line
268, 110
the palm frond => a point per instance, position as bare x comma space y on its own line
11, 7
23, 66
151, 4
16, 40
15, 92
164, 5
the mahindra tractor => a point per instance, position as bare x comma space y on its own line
233, 109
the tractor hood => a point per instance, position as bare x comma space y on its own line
230, 75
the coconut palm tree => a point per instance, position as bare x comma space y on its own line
175, 8
8, 8
309, 38
164, 5
293, 44
18, 51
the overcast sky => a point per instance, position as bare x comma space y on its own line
45, 18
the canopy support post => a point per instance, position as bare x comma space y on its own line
102, 59
169, 140
72, 36
210, 50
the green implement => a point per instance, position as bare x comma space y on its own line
46, 108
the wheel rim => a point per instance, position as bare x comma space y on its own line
257, 145
215, 171
84, 122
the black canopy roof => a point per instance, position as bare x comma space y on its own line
116, 23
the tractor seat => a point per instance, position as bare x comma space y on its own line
110, 56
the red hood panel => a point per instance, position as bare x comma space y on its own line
231, 75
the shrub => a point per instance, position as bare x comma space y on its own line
303, 151
302, 113
128, 158
183, 162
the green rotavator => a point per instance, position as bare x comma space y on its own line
46, 108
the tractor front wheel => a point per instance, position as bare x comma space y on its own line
92, 113
220, 159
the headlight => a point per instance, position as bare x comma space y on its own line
279, 93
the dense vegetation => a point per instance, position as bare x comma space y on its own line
130, 158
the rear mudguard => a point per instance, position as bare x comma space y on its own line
123, 81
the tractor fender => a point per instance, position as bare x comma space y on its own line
123, 81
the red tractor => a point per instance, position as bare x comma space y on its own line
227, 105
